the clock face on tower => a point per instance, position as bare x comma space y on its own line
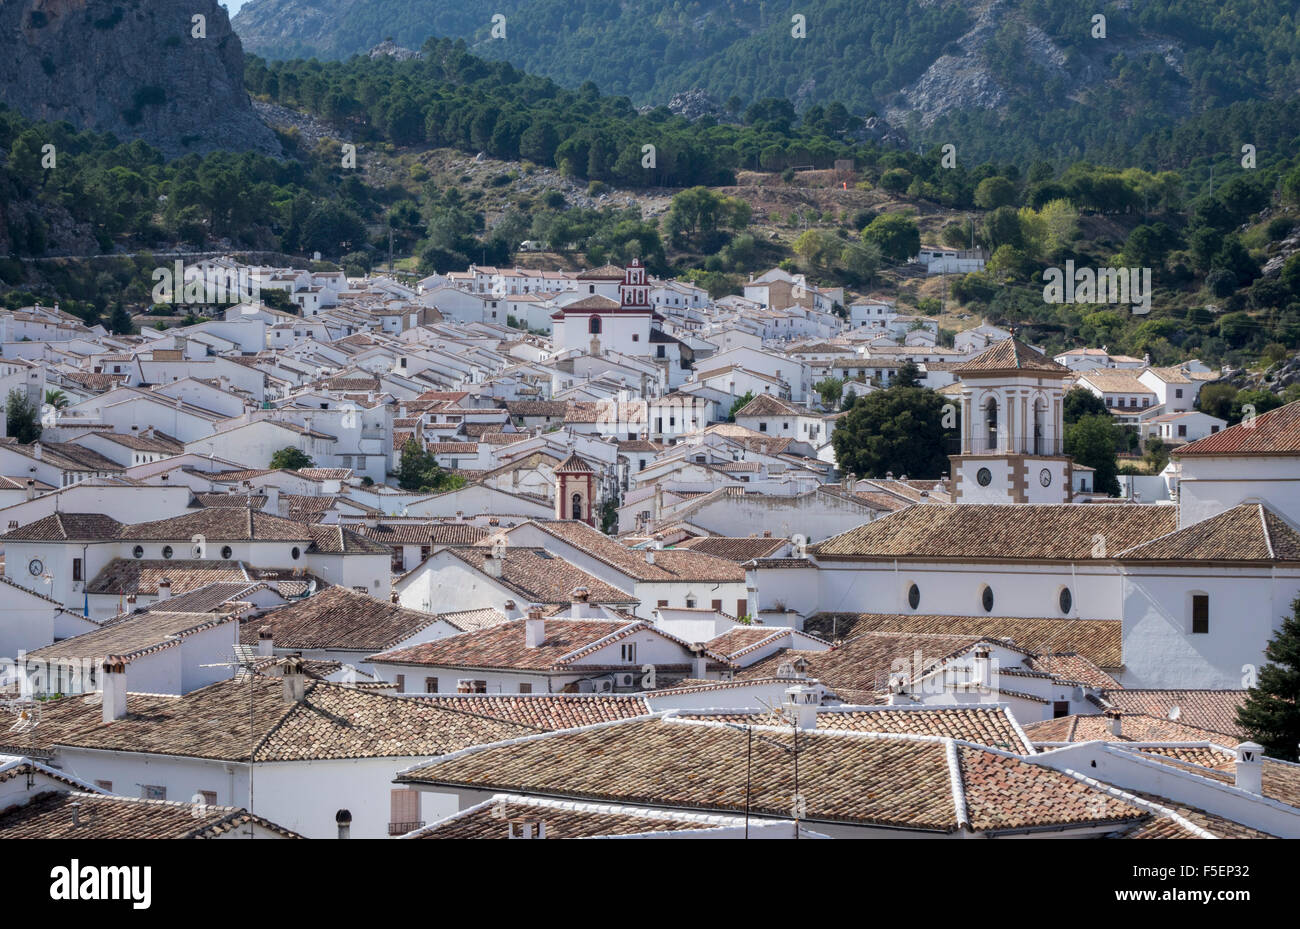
35, 566
984, 476
1045, 477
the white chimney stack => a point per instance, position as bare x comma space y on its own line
534, 629
265, 642
294, 681
343, 819
578, 603
1250, 767
980, 667
113, 687
801, 702
1116, 723
700, 665
164, 589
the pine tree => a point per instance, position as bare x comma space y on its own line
1271, 713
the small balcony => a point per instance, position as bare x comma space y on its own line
404, 828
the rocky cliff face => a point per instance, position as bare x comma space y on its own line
134, 68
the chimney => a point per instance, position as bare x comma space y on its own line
343, 818
659, 502
1116, 723
801, 703
272, 500
578, 601
980, 663
37, 451
492, 562
113, 687
164, 589
534, 629
699, 663
649, 556
294, 680
1250, 767
265, 642
31, 489
526, 829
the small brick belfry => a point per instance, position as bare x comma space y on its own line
575, 490
1012, 431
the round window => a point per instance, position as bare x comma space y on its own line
1067, 600
914, 596
984, 476
167, 551
987, 599
295, 553
137, 552
226, 552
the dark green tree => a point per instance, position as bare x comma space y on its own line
291, 459
1271, 712
1079, 402
1093, 440
119, 323
419, 471
900, 430
897, 237
22, 417
909, 375
739, 404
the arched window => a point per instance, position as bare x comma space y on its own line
991, 424
986, 599
1066, 600
1040, 420
594, 325
914, 596
576, 504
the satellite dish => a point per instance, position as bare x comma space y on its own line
1175, 712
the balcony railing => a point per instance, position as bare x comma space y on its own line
403, 828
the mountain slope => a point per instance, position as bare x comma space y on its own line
131, 68
980, 73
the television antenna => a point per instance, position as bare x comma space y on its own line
244, 660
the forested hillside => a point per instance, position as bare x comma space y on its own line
1019, 79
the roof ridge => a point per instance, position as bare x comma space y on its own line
956, 783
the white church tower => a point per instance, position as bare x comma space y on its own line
1012, 430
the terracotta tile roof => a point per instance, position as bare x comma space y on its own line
339, 618
421, 533
1276, 432
1003, 532
133, 636
1207, 709
540, 577
1166, 827
739, 550
574, 464
866, 779
49, 815
503, 646
767, 405
864, 663
1098, 640
991, 725
738, 639
669, 564
255, 501
537, 407
124, 576
208, 598
67, 527
1247, 533
331, 721
1281, 779
308, 509
564, 820
1134, 727
325, 474
1071, 666
1011, 355
65, 456
545, 712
